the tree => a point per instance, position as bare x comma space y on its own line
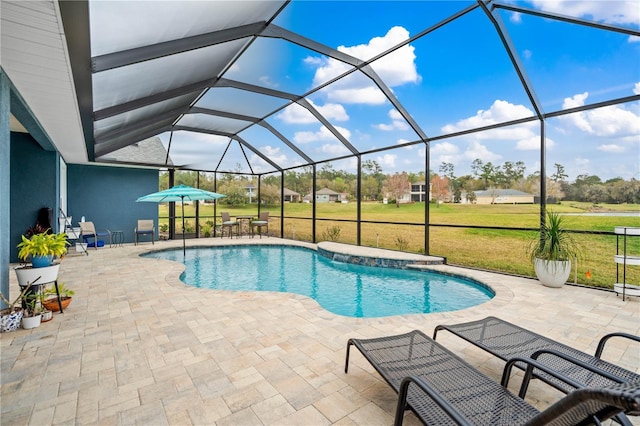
559, 174
440, 188
398, 186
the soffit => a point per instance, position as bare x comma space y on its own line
34, 57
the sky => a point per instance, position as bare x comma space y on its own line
454, 78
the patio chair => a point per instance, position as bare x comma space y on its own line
145, 227
88, 231
441, 388
262, 222
229, 224
506, 341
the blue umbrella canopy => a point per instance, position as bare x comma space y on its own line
180, 194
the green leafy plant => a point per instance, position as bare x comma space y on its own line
43, 244
62, 289
554, 242
12, 306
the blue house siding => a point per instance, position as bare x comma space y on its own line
107, 196
33, 177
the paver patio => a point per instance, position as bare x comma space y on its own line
137, 346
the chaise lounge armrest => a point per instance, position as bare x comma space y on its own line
507, 341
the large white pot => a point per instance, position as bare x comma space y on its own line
27, 275
552, 273
31, 322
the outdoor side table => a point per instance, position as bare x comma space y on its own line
117, 239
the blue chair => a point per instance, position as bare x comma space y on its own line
88, 231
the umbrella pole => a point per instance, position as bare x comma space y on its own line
184, 250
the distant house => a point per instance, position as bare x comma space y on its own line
419, 191
501, 196
290, 196
325, 195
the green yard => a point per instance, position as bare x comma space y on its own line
462, 244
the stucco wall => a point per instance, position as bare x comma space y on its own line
107, 196
33, 186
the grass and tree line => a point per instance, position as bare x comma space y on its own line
455, 231
493, 237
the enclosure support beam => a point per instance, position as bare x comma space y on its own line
282, 204
172, 207
313, 210
359, 201
427, 198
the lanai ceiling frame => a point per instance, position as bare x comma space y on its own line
105, 142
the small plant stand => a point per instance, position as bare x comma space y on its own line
622, 259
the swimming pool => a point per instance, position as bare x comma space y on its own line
342, 288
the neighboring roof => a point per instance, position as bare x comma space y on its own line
502, 193
149, 151
326, 191
289, 192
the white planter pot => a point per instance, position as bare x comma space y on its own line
552, 273
27, 275
31, 322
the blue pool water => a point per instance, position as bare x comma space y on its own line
344, 289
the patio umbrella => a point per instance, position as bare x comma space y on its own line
180, 194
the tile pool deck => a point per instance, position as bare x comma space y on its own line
137, 347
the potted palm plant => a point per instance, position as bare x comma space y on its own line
41, 249
50, 297
552, 251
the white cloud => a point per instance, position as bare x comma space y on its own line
611, 12
334, 149
395, 69
614, 121
387, 160
500, 111
516, 17
369, 95
611, 148
321, 135
444, 148
296, 114
397, 122
476, 150
533, 144
636, 89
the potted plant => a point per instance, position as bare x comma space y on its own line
41, 249
11, 316
32, 314
50, 297
552, 251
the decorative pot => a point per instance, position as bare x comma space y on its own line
552, 273
41, 261
10, 321
31, 322
47, 316
27, 275
52, 304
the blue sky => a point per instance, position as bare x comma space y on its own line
455, 78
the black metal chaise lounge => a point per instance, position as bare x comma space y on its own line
507, 341
442, 389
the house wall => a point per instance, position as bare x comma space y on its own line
33, 180
107, 196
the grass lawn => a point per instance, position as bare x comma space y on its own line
462, 244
